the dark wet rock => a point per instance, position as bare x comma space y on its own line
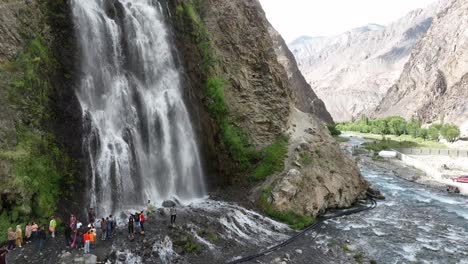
453, 189
375, 193
168, 203
122, 257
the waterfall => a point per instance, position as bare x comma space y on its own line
139, 142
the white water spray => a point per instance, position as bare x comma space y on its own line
139, 141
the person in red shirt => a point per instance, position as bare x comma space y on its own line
87, 241
142, 222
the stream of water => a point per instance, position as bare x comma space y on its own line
415, 224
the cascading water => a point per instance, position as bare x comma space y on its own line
138, 137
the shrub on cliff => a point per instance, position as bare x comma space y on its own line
272, 159
40, 167
334, 131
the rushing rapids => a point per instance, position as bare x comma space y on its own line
139, 141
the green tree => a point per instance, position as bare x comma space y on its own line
413, 127
364, 120
396, 125
379, 126
423, 133
450, 132
433, 133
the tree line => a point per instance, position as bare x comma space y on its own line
396, 125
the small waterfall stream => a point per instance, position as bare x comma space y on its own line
139, 141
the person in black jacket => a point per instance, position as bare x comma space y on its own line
41, 237
3, 253
131, 232
68, 235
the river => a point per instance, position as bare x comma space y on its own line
414, 224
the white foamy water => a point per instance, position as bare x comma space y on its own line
164, 250
139, 142
244, 225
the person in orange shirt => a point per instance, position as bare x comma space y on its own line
87, 241
93, 236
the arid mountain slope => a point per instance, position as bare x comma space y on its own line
435, 80
351, 72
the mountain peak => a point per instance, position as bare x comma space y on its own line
368, 27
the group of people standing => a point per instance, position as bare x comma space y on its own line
77, 235
32, 233
136, 224
81, 237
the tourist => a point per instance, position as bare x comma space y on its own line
103, 228
34, 229
112, 225
41, 237
72, 222
79, 243
108, 228
93, 236
27, 233
68, 235
75, 236
131, 219
142, 222
19, 236
52, 226
11, 239
91, 215
173, 211
137, 222
149, 209
3, 253
87, 241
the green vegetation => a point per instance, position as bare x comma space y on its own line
234, 138
450, 132
333, 130
346, 248
359, 257
294, 220
397, 126
306, 158
341, 139
40, 167
192, 246
394, 142
272, 161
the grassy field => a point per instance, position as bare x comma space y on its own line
397, 142
341, 139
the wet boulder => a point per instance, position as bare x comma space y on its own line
375, 193
169, 203
453, 189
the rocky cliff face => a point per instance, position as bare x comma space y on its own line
351, 72
434, 82
305, 98
39, 122
265, 94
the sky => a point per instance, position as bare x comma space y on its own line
295, 18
